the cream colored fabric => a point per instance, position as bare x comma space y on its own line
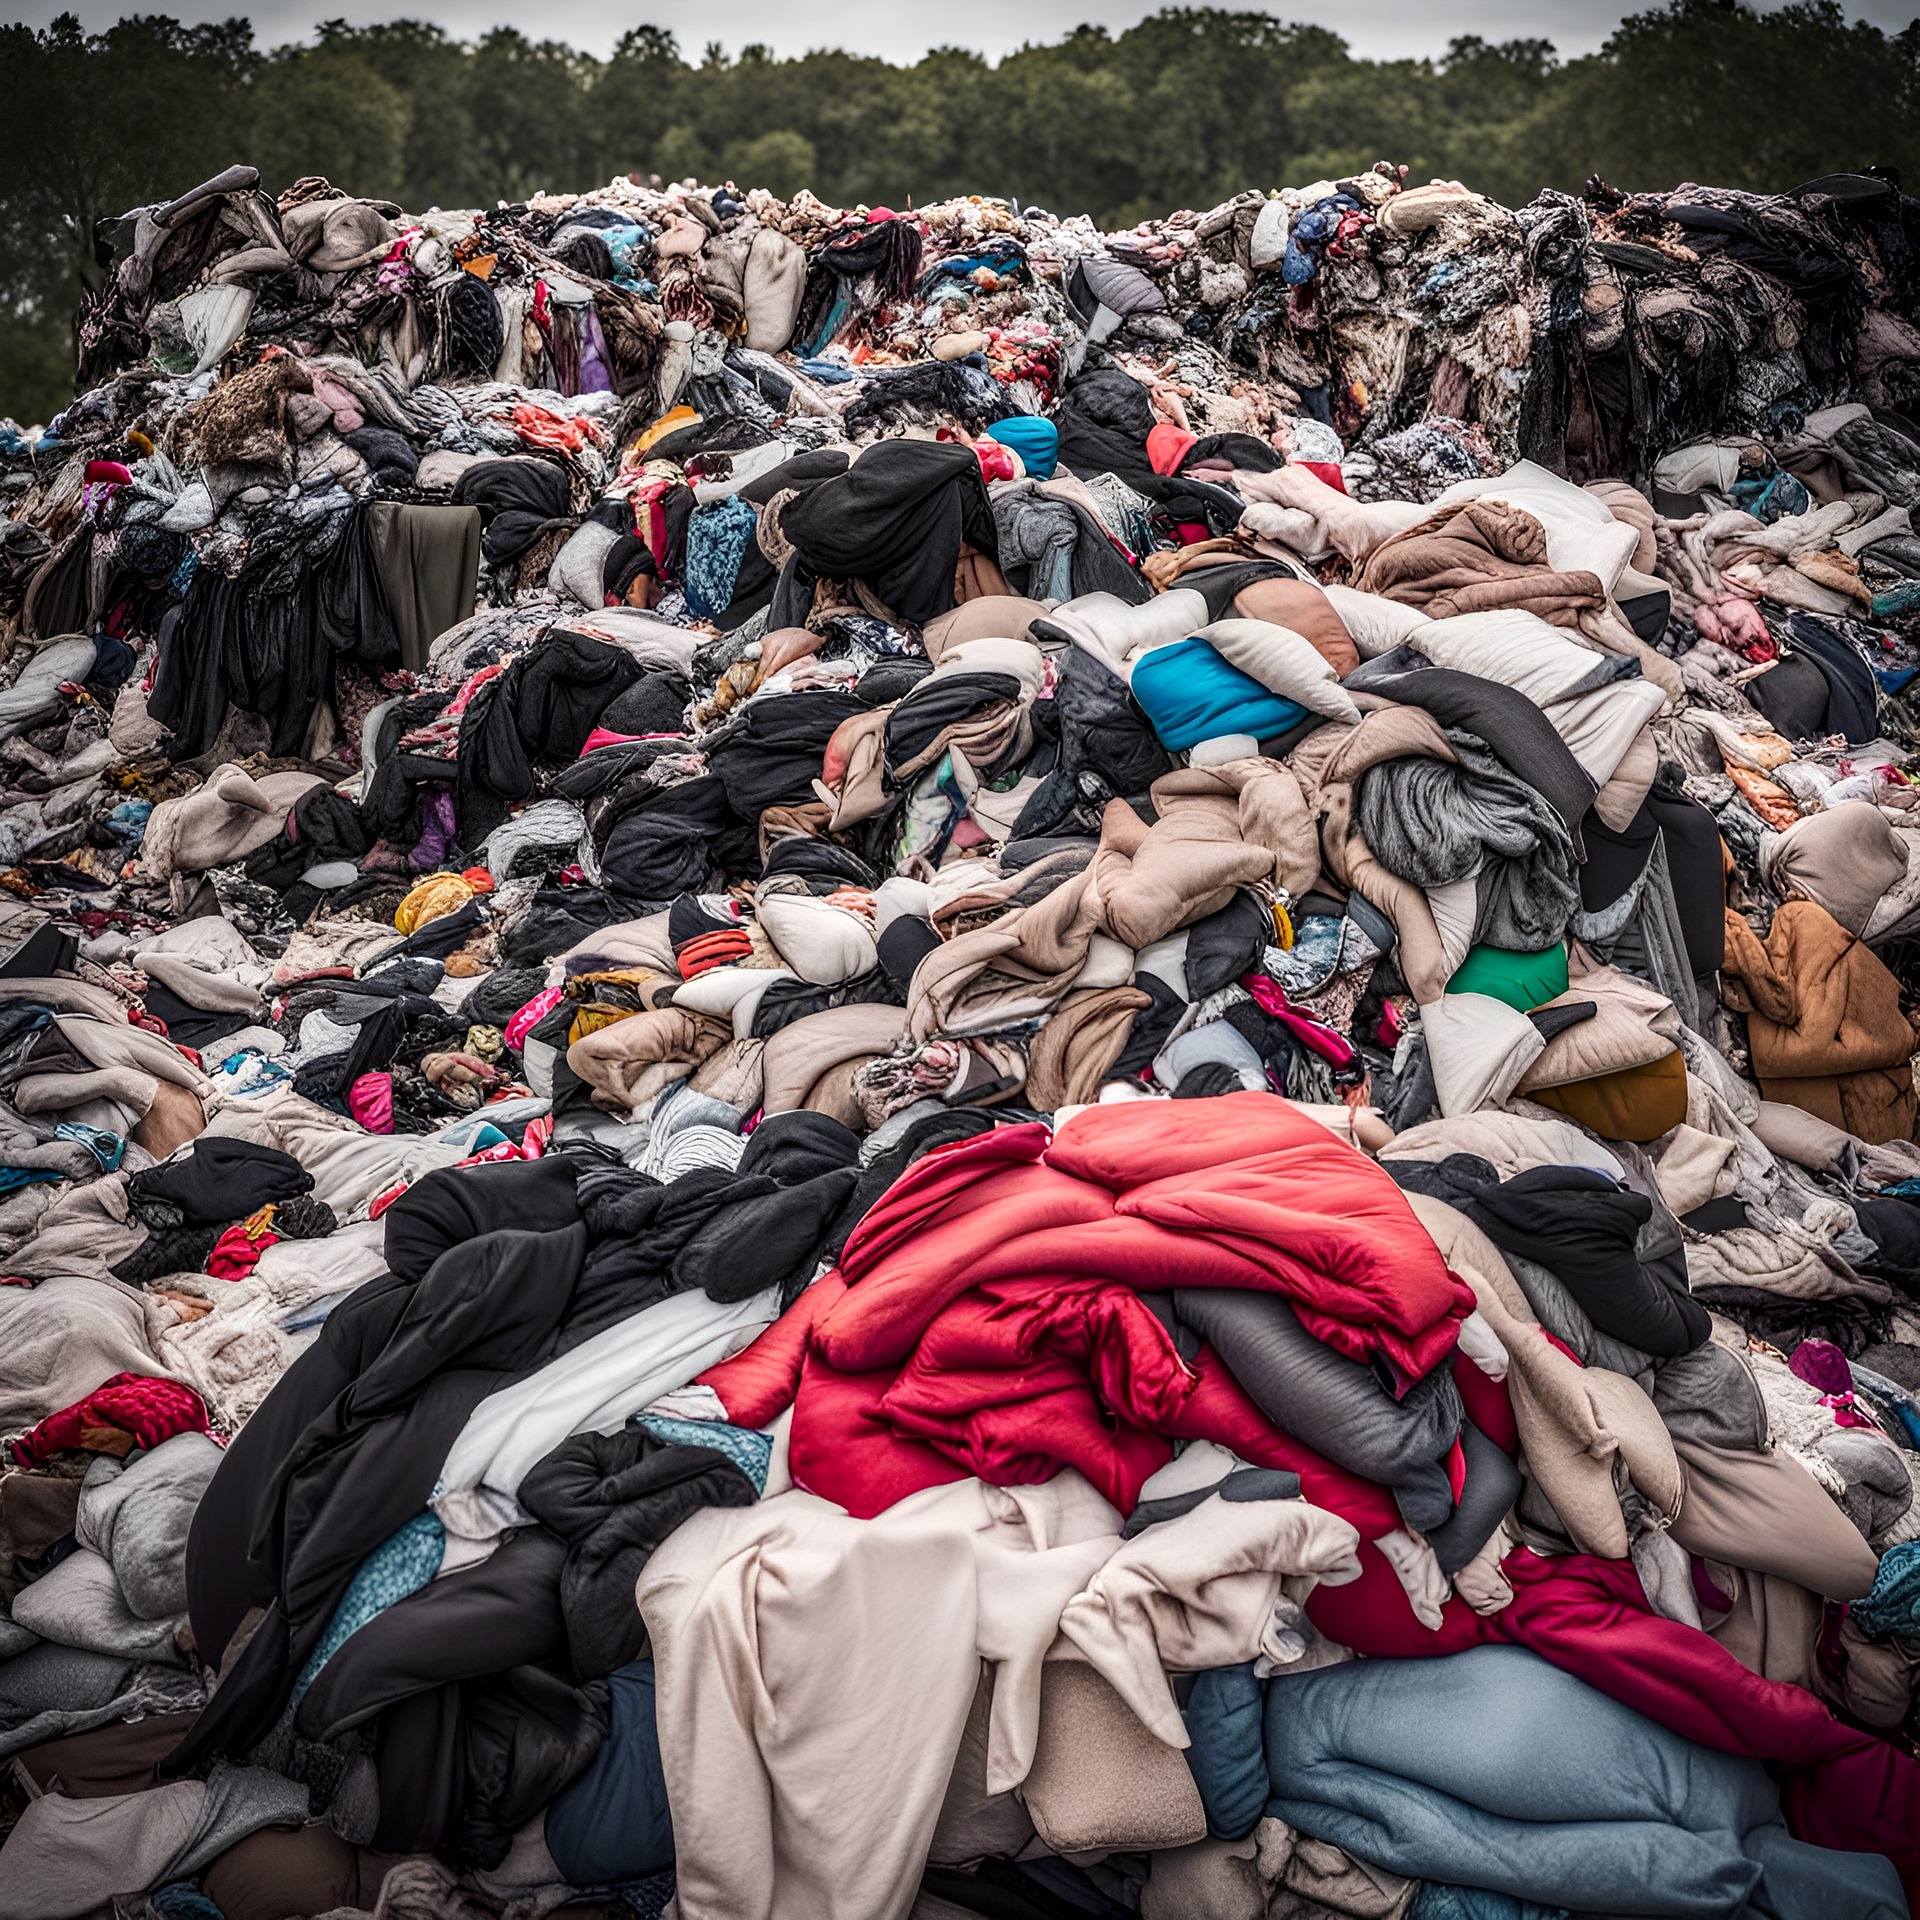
806, 1783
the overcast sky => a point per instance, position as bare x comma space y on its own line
1383, 29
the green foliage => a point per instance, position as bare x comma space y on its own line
1187, 107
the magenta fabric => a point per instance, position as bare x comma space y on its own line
1821, 1364
370, 1101
1271, 998
530, 1016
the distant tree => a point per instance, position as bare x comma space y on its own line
781, 161
1188, 106
326, 110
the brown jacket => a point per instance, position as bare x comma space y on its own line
1474, 557
1824, 1019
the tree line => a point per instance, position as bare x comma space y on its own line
1182, 110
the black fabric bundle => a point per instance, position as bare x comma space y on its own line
897, 519
478, 1727
772, 755
731, 1233
474, 330
613, 1497
269, 641
1584, 1229
451, 1205
221, 1181
345, 1450
516, 497
541, 709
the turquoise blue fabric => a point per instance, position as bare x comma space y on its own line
108, 1148
1190, 694
401, 1564
1893, 1607
749, 1449
1493, 1769
1224, 1711
717, 540
1035, 440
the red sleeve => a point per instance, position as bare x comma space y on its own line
759, 1384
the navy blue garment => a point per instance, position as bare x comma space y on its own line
1851, 707
612, 1824
1224, 1712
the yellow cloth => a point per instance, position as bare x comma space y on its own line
436, 896
590, 1019
666, 424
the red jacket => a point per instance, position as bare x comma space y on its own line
985, 1317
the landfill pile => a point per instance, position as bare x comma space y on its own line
862, 1064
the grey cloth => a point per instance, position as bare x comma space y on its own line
1562, 1315
1879, 1491
1709, 1397
240, 1801
79, 1603
1334, 1404
34, 696
1433, 823
52, 1691
27, 1144
136, 1514
1641, 934
1037, 535
70, 1332
429, 565
1706, 1396
1215, 1044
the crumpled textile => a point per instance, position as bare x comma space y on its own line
130, 1410
1893, 1607
1435, 823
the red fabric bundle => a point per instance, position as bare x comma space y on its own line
149, 1410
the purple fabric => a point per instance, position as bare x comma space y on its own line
438, 834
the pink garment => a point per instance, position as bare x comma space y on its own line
1734, 622
370, 1101
1821, 1364
347, 417
601, 737
1271, 998
996, 461
530, 1016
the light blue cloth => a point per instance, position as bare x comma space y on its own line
401, 1564
749, 1449
1494, 1769
717, 541
1189, 694
1035, 440
1434, 1901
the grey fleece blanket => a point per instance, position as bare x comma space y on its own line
1433, 824
136, 1513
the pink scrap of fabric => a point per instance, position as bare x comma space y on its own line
1271, 998
370, 1101
530, 1016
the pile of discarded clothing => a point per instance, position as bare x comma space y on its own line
880, 1066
